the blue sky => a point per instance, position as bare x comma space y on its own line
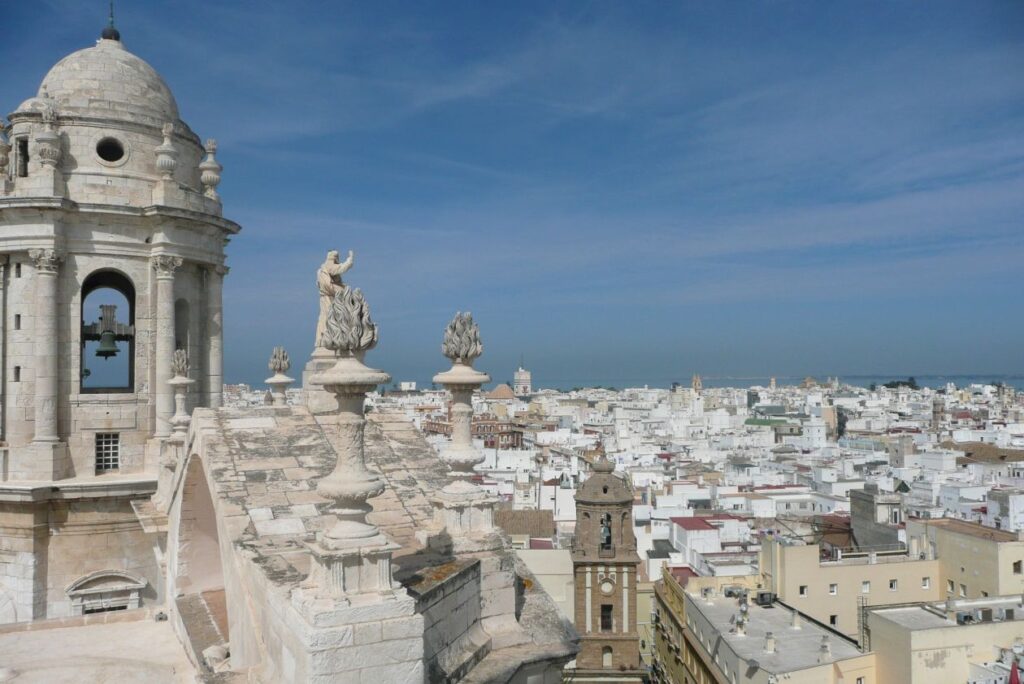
620, 192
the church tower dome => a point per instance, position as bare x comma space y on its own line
104, 126
107, 80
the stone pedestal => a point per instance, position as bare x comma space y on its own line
318, 400
465, 514
279, 383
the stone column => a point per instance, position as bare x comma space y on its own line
4, 360
45, 342
215, 335
165, 266
463, 510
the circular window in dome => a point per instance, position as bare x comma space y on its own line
110, 150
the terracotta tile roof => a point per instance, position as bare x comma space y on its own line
693, 524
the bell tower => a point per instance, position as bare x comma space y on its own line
605, 565
112, 242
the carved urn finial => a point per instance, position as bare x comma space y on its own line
47, 140
179, 383
167, 154
462, 346
279, 382
350, 333
210, 169
463, 509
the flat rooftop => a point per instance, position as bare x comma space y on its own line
141, 651
932, 615
971, 529
796, 649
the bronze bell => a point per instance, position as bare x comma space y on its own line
108, 347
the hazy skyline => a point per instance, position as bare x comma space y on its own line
641, 191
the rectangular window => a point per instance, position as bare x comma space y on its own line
833, 589
1017, 569
606, 618
108, 451
950, 586
833, 620
865, 587
803, 590
892, 585
17, 374
17, 321
17, 270
926, 582
22, 161
963, 590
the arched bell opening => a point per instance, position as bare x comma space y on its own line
107, 333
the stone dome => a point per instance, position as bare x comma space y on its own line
604, 486
108, 81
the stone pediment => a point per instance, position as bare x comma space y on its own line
105, 581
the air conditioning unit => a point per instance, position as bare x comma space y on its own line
765, 598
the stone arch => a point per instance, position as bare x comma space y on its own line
115, 373
198, 562
211, 594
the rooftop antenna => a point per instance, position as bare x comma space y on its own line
111, 33
521, 360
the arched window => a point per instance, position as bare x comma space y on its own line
181, 325
108, 333
606, 532
606, 656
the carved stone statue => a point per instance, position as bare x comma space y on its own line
328, 281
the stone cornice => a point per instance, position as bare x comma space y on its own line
63, 490
61, 204
65, 118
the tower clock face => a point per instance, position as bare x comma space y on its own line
606, 587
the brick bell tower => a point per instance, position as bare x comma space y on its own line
605, 566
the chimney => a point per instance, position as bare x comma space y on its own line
796, 620
914, 547
769, 642
825, 650
872, 558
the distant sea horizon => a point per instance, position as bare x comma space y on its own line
933, 381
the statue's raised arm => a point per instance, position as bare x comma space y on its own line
347, 263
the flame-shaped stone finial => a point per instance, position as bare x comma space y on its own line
462, 340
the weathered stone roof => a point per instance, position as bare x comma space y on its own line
266, 462
263, 464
